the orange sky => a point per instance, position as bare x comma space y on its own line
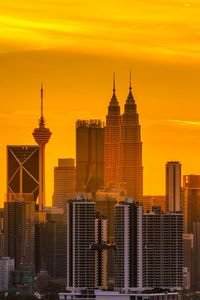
73, 47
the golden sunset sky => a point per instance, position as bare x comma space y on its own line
73, 47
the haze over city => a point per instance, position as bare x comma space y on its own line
74, 47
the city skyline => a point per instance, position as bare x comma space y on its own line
74, 48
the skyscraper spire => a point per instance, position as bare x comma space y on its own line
114, 82
42, 120
130, 81
114, 101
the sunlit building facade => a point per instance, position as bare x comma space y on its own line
89, 155
64, 182
173, 186
130, 151
111, 145
191, 190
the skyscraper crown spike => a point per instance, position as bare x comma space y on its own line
114, 83
41, 98
130, 81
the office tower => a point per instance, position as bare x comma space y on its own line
81, 262
42, 136
173, 186
191, 190
64, 182
111, 145
89, 155
128, 238
188, 255
162, 251
55, 244
6, 266
195, 280
1, 232
130, 151
19, 226
23, 170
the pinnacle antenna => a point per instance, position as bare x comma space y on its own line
130, 81
41, 95
114, 82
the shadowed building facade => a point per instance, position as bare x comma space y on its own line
89, 155
111, 146
23, 170
19, 227
130, 151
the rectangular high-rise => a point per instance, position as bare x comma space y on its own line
162, 251
86, 235
89, 155
64, 182
191, 189
128, 238
173, 186
149, 248
19, 226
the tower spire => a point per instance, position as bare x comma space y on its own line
114, 83
41, 98
41, 121
130, 81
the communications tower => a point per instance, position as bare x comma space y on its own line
42, 136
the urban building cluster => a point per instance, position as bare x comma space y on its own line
102, 238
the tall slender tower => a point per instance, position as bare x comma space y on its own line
130, 151
173, 186
111, 144
42, 136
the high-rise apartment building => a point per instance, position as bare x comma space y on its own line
86, 236
42, 136
128, 238
19, 226
111, 144
64, 182
6, 267
173, 186
162, 251
23, 170
149, 248
81, 262
191, 190
130, 151
89, 155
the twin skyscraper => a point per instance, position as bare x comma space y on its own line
110, 157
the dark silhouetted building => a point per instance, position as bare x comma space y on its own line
23, 170
19, 227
